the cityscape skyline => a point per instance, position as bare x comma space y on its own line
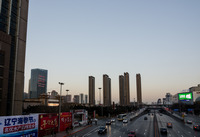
159, 40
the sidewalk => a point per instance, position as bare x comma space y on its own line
71, 132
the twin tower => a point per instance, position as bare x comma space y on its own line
124, 90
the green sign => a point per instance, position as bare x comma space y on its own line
185, 96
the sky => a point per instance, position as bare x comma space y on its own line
75, 39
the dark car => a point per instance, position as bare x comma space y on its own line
102, 130
131, 134
108, 122
145, 118
196, 127
189, 121
163, 130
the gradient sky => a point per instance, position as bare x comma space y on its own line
78, 38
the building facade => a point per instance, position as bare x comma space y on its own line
38, 84
81, 98
106, 90
121, 90
139, 89
13, 30
126, 89
86, 99
76, 99
91, 90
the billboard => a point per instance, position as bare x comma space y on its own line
48, 124
17, 126
185, 96
65, 120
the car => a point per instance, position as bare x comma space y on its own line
131, 134
94, 120
108, 122
145, 118
148, 113
163, 130
196, 127
169, 125
160, 114
102, 130
125, 121
189, 121
112, 120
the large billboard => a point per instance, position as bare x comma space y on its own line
18, 126
185, 96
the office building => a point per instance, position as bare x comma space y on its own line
13, 29
68, 98
106, 90
139, 89
91, 90
86, 99
76, 99
81, 98
38, 84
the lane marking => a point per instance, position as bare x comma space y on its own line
89, 132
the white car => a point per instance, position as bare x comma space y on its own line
112, 120
125, 121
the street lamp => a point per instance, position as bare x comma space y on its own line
99, 96
67, 94
60, 103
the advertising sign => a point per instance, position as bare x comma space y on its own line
48, 124
185, 96
65, 121
17, 126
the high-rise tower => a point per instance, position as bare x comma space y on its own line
13, 30
121, 90
38, 84
91, 90
124, 91
106, 90
139, 89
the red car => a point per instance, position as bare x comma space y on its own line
132, 134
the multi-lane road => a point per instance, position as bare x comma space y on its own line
143, 128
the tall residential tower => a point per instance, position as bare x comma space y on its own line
124, 91
139, 89
91, 90
106, 90
13, 30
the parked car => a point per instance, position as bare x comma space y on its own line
131, 134
145, 118
163, 130
102, 130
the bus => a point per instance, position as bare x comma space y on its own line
121, 117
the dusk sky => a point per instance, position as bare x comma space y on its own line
74, 39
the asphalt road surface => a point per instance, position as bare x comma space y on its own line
179, 129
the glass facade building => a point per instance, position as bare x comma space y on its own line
38, 83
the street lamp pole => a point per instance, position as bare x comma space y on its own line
99, 96
60, 103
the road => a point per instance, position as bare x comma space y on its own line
143, 128
179, 129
